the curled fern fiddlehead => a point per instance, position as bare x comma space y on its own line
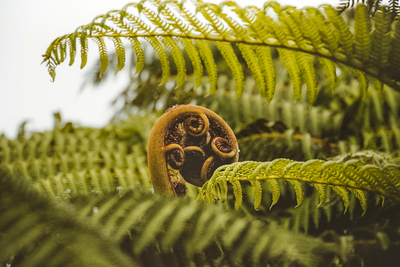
193, 140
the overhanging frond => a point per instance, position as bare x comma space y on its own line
299, 34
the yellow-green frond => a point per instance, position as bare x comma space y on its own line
321, 193
230, 57
362, 80
137, 47
273, 183
345, 37
362, 43
289, 58
71, 41
298, 190
120, 51
103, 54
268, 70
159, 49
330, 70
344, 194
394, 57
178, 59
84, 49
343, 175
306, 63
195, 58
253, 62
380, 40
211, 66
373, 49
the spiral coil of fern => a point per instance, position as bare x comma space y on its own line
193, 140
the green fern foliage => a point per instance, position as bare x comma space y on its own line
37, 231
126, 229
179, 226
300, 35
354, 173
71, 161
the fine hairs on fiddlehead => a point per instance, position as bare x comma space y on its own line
193, 140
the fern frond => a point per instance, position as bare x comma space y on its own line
380, 40
346, 38
394, 56
362, 80
319, 31
178, 58
292, 66
315, 32
362, 43
229, 55
268, 70
137, 47
211, 67
202, 45
36, 230
148, 221
163, 57
306, 63
253, 62
120, 51
335, 174
330, 70
103, 55
196, 61
84, 49
71, 41
65, 164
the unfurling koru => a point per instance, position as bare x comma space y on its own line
193, 140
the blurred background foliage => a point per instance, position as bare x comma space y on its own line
105, 212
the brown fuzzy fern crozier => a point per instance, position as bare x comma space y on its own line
193, 140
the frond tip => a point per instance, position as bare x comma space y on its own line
298, 34
343, 175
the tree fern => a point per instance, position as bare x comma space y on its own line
291, 35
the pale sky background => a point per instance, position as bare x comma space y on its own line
26, 92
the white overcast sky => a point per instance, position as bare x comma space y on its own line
26, 92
